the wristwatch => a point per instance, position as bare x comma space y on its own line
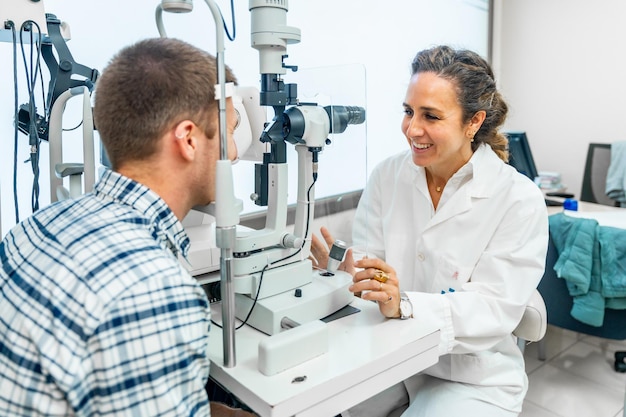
406, 308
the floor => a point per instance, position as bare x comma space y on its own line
577, 378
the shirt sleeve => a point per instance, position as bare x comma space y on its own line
148, 355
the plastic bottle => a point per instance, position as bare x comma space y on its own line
570, 204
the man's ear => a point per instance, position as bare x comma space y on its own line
184, 140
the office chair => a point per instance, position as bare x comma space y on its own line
559, 303
532, 327
594, 179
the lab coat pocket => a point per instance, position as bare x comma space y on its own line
450, 277
482, 368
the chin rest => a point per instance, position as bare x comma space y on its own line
534, 322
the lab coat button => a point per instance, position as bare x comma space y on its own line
421, 256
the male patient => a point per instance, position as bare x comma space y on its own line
97, 316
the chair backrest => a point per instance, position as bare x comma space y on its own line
594, 178
532, 327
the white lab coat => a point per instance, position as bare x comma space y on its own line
470, 266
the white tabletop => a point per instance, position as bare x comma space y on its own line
367, 354
586, 207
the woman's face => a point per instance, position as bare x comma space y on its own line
433, 124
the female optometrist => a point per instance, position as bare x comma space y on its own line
460, 239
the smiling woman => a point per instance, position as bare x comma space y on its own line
461, 237
451, 107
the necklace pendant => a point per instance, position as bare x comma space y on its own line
438, 189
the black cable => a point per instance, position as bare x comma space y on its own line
34, 162
308, 222
259, 290
31, 76
308, 213
15, 121
43, 93
232, 14
73, 128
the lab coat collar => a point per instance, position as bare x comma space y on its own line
481, 166
481, 184
484, 163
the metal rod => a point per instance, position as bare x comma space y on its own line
225, 234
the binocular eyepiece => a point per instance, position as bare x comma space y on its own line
342, 116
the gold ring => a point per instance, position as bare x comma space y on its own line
380, 276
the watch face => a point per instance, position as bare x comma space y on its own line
406, 309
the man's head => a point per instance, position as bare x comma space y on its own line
153, 94
149, 87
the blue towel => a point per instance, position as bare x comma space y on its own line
574, 241
616, 176
589, 309
592, 260
613, 261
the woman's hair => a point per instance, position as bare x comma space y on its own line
147, 89
475, 88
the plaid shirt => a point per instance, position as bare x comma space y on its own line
97, 316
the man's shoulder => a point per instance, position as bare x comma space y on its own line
88, 217
88, 247
83, 234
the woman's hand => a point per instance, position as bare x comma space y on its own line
377, 281
319, 253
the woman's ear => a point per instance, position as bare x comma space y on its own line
475, 123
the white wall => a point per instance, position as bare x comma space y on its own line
561, 67
380, 38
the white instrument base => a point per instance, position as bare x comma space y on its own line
321, 297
